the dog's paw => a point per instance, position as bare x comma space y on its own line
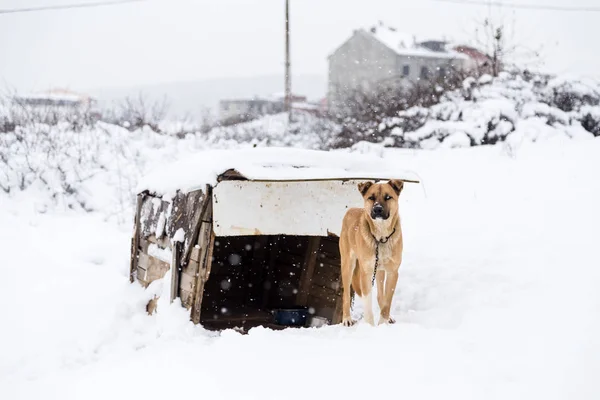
348, 322
387, 321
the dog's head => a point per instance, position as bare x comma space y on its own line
381, 199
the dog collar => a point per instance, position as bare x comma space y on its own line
384, 240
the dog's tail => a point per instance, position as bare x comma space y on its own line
356, 281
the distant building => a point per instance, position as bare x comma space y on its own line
244, 109
236, 110
382, 55
60, 98
477, 60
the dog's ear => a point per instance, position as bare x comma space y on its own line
397, 185
363, 187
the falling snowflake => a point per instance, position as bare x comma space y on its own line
235, 259
226, 284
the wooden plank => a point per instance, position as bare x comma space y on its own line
330, 247
134, 241
270, 274
186, 297
288, 259
175, 270
208, 261
142, 276
260, 254
195, 254
308, 269
196, 211
321, 307
326, 281
337, 314
206, 242
155, 268
323, 293
330, 270
295, 245
326, 258
163, 242
231, 175
150, 215
186, 282
177, 218
317, 302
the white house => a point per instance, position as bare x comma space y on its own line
61, 98
381, 55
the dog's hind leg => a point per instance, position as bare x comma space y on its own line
348, 265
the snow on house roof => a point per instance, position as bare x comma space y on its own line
268, 164
57, 94
405, 45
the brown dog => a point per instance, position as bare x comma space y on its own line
369, 235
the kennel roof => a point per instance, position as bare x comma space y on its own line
267, 164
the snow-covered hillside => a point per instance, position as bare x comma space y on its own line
497, 296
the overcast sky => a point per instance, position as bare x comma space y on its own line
176, 40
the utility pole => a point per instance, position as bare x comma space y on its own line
288, 76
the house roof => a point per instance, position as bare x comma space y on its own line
56, 94
406, 45
268, 164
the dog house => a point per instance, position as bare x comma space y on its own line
241, 233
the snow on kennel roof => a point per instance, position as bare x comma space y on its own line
267, 164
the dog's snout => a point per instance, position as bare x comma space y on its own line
377, 209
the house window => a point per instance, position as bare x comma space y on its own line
442, 72
405, 70
424, 73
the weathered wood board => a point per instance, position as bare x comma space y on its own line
304, 208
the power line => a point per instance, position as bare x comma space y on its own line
521, 6
68, 6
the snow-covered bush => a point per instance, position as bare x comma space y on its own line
63, 163
569, 94
491, 110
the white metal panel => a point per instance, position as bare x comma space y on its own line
308, 208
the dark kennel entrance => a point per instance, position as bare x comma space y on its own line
253, 275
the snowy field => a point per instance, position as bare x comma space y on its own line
497, 299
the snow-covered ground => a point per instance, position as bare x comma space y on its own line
497, 299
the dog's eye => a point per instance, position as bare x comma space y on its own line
372, 198
387, 197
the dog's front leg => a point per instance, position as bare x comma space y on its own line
380, 279
367, 296
391, 279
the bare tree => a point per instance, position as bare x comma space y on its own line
136, 112
495, 35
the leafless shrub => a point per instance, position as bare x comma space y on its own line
137, 112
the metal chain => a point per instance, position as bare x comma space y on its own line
377, 242
376, 263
